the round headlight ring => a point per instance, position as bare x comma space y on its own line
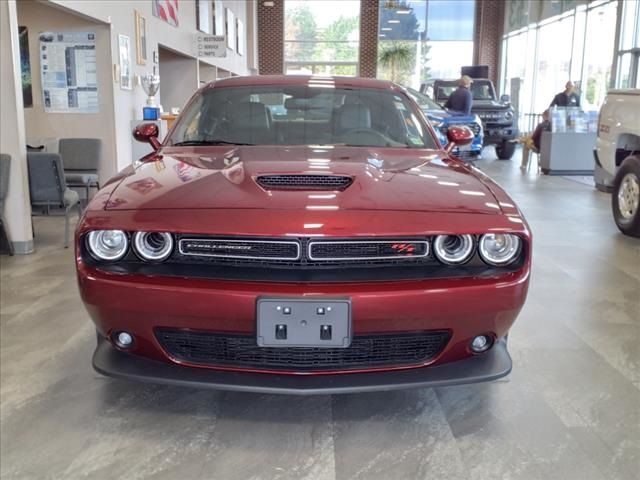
107, 245
499, 249
153, 246
453, 249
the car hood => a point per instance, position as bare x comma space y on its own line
489, 105
446, 117
396, 179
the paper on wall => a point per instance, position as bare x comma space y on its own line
69, 72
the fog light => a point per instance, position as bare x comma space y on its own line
481, 343
123, 339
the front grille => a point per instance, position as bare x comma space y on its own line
368, 250
217, 349
304, 260
304, 182
240, 249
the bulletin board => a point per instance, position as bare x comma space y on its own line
69, 72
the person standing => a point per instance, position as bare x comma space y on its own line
568, 98
461, 100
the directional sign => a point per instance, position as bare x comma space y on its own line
209, 45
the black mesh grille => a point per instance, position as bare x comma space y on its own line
304, 182
368, 250
243, 249
207, 348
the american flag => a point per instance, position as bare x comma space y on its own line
167, 10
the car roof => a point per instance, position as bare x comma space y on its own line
338, 82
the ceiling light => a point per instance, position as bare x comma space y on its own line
393, 21
322, 207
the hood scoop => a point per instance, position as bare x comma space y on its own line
313, 182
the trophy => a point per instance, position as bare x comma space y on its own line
150, 85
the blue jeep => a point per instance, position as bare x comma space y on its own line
441, 119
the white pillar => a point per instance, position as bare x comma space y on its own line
12, 134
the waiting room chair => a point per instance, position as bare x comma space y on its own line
5, 169
47, 187
81, 158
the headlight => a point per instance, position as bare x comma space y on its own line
499, 248
107, 244
153, 246
453, 249
508, 115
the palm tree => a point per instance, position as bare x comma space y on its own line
396, 56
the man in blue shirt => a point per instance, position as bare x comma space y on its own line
461, 99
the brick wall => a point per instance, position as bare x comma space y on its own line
270, 37
368, 38
488, 35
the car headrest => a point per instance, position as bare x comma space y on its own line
296, 104
249, 115
351, 116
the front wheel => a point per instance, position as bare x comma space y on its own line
505, 150
625, 198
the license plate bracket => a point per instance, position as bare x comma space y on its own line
289, 322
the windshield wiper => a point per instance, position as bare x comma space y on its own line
187, 143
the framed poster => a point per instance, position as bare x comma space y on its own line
25, 67
166, 10
240, 37
218, 18
231, 29
141, 38
204, 16
124, 47
68, 72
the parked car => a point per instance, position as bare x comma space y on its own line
617, 152
441, 120
497, 115
304, 255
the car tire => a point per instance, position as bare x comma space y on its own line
505, 150
625, 198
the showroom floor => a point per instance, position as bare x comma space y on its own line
569, 410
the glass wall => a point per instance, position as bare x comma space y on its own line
553, 65
576, 45
423, 39
598, 59
628, 73
322, 37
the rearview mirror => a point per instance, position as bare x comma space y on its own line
458, 136
147, 133
505, 98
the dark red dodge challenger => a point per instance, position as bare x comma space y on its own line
303, 235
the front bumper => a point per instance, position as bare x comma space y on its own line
497, 135
494, 364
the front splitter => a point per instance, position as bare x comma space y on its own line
109, 361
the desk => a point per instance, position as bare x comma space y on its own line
567, 153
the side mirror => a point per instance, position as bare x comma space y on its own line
147, 133
458, 137
505, 99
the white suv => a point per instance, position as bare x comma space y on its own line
618, 153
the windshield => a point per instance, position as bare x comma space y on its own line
481, 90
301, 115
421, 99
